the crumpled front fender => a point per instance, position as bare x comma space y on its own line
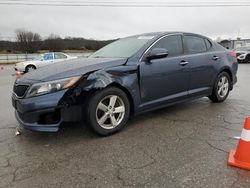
125, 77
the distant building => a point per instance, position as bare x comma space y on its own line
232, 44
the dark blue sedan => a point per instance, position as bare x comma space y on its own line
129, 76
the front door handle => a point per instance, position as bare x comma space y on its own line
215, 57
183, 63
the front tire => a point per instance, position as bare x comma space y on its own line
247, 60
30, 68
108, 111
221, 88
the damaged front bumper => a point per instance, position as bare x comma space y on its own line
44, 113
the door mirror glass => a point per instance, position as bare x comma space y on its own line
157, 53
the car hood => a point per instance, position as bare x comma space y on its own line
75, 67
27, 62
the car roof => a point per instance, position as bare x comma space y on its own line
160, 34
54, 53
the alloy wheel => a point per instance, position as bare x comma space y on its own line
30, 68
110, 111
223, 86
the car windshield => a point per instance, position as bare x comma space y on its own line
122, 48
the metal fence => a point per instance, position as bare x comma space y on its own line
14, 58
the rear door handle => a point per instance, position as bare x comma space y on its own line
183, 63
215, 57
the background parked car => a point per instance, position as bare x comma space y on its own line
44, 60
243, 54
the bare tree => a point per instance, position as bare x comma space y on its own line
28, 41
54, 43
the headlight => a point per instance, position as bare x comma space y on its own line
20, 64
242, 56
51, 86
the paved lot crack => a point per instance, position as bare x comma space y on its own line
216, 148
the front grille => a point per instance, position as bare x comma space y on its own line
20, 90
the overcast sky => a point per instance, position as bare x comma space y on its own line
108, 23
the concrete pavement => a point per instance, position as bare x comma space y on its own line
185, 145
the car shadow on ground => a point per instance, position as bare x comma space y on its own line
70, 132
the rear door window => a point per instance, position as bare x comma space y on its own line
171, 43
60, 56
195, 44
208, 44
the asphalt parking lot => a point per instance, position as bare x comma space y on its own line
185, 145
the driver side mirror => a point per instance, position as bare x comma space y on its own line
157, 53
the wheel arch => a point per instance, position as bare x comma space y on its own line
229, 72
30, 65
126, 91
87, 93
124, 78
247, 58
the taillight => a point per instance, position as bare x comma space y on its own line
233, 54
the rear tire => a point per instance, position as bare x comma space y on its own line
108, 111
221, 88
